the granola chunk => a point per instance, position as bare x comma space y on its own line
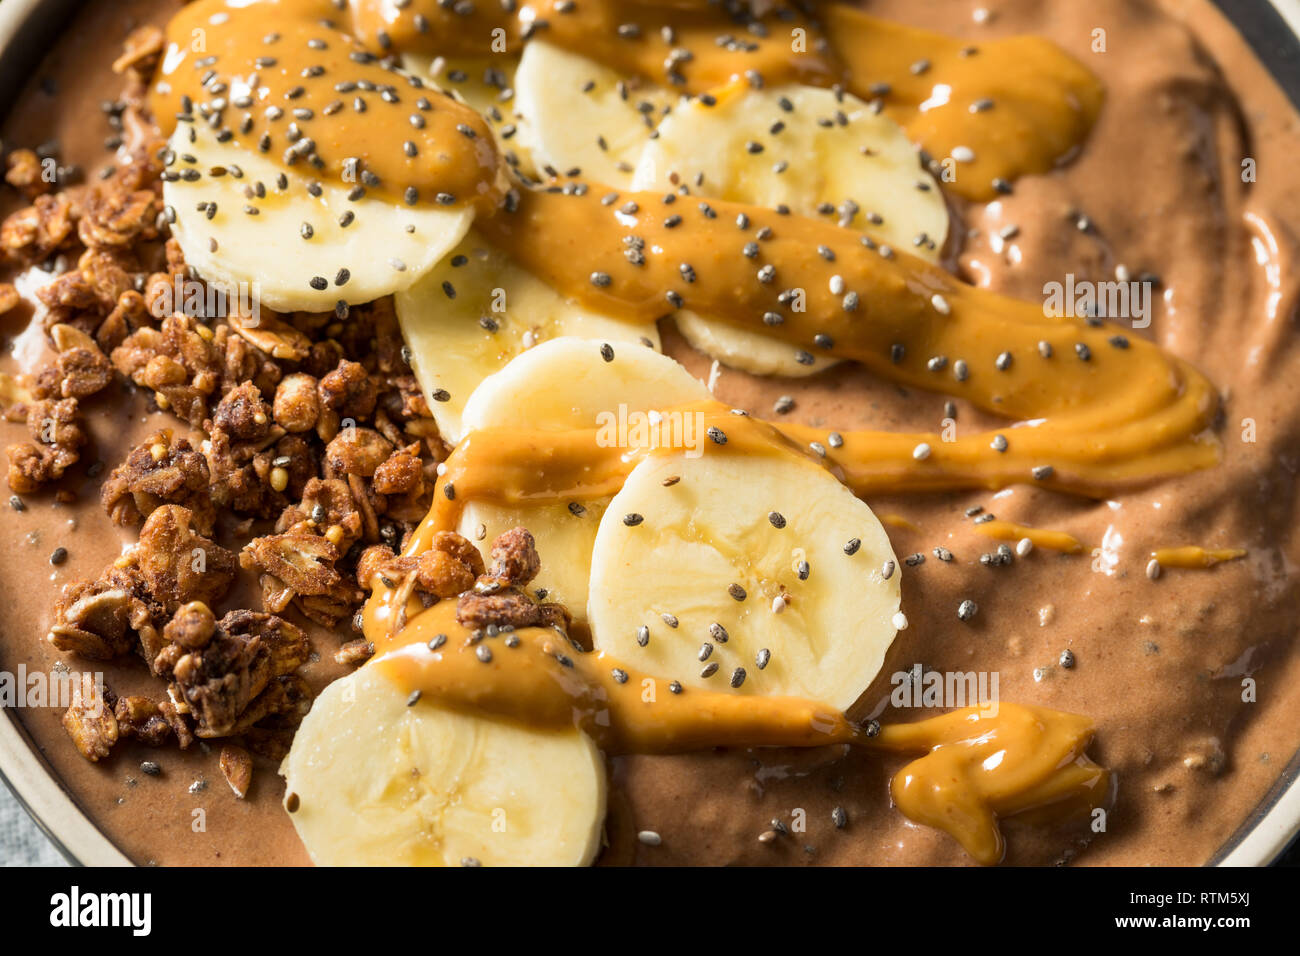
81, 369
400, 474
299, 567
354, 653
268, 334
248, 655
515, 561
192, 626
58, 438
241, 458
23, 171
9, 297
176, 362
356, 451
142, 719
440, 574
129, 315
237, 767
161, 470
327, 507
349, 391
99, 620
510, 607
89, 719
242, 414
180, 565
297, 405
115, 217
447, 569
141, 52
32, 234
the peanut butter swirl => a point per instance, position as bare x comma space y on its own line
1096, 409
279, 77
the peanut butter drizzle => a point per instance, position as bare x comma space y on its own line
515, 466
233, 66
1193, 556
976, 766
1127, 412
1041, 537
1046, 101
1043, 102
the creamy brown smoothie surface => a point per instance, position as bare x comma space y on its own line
1188, 674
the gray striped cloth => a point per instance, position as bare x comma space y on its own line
21, 841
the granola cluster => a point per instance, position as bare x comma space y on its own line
452, 567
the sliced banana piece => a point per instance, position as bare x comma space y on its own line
748, 351
288, 248
477, 310
381, 781
802, 147
574, 113
742, 571
565, 384
807, 149
483, 83
569, 383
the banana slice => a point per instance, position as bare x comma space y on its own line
380, 781
482, 83
748, 351
574, 113
384, 247
477, 310
745, 563
564, 384
805, 148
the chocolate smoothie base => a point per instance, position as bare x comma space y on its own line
1158, 665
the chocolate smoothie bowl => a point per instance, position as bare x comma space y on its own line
651, 433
